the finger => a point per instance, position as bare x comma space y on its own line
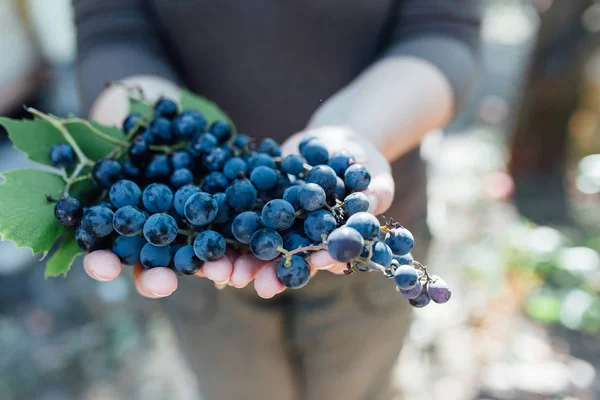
245, 269
154, 283
102, 265
218, 271
321, 260
380, 193
266, 282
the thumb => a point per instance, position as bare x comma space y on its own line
380, 192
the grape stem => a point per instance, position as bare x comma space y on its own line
74, 178
289, 253
95, 131
168, 149
423, 268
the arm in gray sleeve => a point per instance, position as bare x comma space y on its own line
116, 39
443, 32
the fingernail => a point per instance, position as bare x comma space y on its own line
160, 295
329, 266
372, 203
99, 277
225, 282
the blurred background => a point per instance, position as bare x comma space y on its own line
514, 210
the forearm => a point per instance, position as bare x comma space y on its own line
394, 103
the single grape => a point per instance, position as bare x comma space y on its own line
315, 152
125, 193
406, 277
88, 242
98, 221
209, 246
62, 156
270, 146
318, 224
130, 121
182, 159
201, 209
198, 117
128, 249
241, 195
355, 203
311, 197
292, 164
215, 159
202, 144
181, 177
157, 198
161, 131
158, 168
295, 275
106, 172
357, 177
413, 292
365, 223
323, 176
345, 244
155, 257
340, 188
401, 241
235, 168
382, 254
186, 262
259, 160
305, 140
222, 131
160, 229
215, 182
340, 162
185, 127
421, 300
278, 214
438, 290
129, 221
245, 225
263, 178
182, 195
224, 209
241, 141
138, 151
264, 244
131, 171
406, 259
165, 108
68, 211
295, 240
291, 196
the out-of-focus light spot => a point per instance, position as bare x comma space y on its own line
507, 24
591, 18
544, 240
493, 110
582, 374
573, 308
579, 259
590, 165
586, 185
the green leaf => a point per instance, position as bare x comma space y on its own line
34, 137
141, 107
26, 217
92, 145
63, 257
212, 112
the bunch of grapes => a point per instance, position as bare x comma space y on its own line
187, 189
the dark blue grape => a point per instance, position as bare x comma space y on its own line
198, 117
158, 167
241, 141
305, 140
315, 152
270, 146
155, 256
340, 162
209, 246
401, 241
125, 193
182, 159
131, 171
260, 159
292, 164
340, 188
185, 127
245, 225
382, 254
421, 300
365, 223
264, 244
294, 274
68, 211
406, 259
128, 249
161, 130
263, 178
62, 155
215, 159
202, 144
406, 277
345, 244
98, 221
224, 213
235, 168
215, 182
295, 240
201, 209
357, 177
131, 120
157, 198
438, 290
138, 151
186, 262
181, 177
182, 195
319, 224
165, 108
160, 229
241, 195
355, 203
89, 242
323, 176
291, 196
413, 292
311, 196
221, 130
278, 214
106, 172
129, 221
